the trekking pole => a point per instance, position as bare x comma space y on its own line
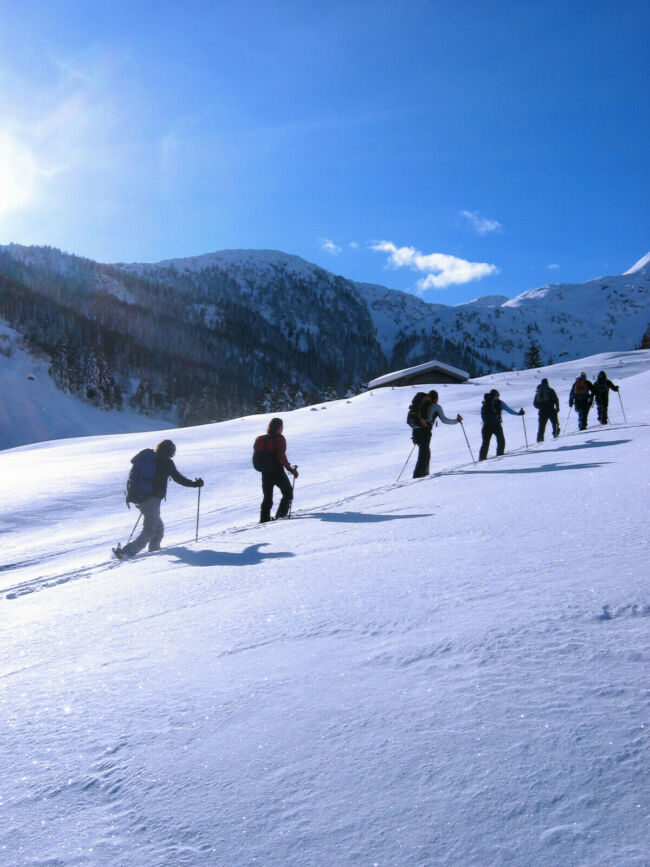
523, 419
404, 467
468, 445
133, 530
293, 486
198, 507
566, 423
621, 400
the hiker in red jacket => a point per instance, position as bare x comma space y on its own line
275, 475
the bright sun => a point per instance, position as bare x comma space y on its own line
18, 175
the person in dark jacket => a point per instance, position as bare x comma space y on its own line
581, 396
153, 528
546, 401
276, 475
492, 425
600, 390
428, 411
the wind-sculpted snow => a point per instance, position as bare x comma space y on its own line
450, 670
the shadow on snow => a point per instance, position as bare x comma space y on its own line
358, 517
589, 444
250, 556
547, 468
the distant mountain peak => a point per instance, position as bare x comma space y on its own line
641, 265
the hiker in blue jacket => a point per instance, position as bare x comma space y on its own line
491, 415
153, 528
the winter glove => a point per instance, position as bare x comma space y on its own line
198, 483
294, 472
570, 403
522, 412
459, 418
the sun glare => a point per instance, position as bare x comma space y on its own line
18, 174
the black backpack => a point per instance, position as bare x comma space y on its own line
139, 485
491, 409
542, 396
264, 459
413, 415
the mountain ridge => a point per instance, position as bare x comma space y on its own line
220, 334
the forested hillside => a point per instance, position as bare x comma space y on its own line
225, 334
194, 345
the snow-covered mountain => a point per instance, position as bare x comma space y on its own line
566, 321
222, 334
402, 674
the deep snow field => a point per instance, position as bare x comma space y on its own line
452, 670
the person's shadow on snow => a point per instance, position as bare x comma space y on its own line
589, 444
250, 556
546, 468
357, 517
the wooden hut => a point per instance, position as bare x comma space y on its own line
430, 373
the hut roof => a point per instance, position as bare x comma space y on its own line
431, 371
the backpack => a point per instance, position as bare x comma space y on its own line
580, 388
542, 396
264, 459
491, 409
139, 485
413, 415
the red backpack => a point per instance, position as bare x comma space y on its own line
264, 458
581, 388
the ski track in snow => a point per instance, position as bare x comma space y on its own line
49, 581
450, 670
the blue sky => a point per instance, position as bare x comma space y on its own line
453, 149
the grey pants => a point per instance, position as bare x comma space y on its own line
153, 528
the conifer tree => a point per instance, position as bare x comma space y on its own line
533, 356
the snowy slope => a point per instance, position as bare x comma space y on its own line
444, 671
33, 409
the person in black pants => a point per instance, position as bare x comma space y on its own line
491, 415
600, 389
547, 403
429, 410
581, 395
276, 447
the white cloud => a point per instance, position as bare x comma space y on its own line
481, 225
354, 245
441, 270
553, 267
329, 246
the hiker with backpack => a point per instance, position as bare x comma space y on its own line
581, 396
491, 410
423, 412
147, 488
546, 401
270, 459
600, 390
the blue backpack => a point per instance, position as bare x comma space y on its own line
139, 485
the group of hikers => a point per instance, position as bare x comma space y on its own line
151, 470
425, 409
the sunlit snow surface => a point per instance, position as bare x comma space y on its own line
452, 670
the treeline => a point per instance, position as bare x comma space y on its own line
165, 343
